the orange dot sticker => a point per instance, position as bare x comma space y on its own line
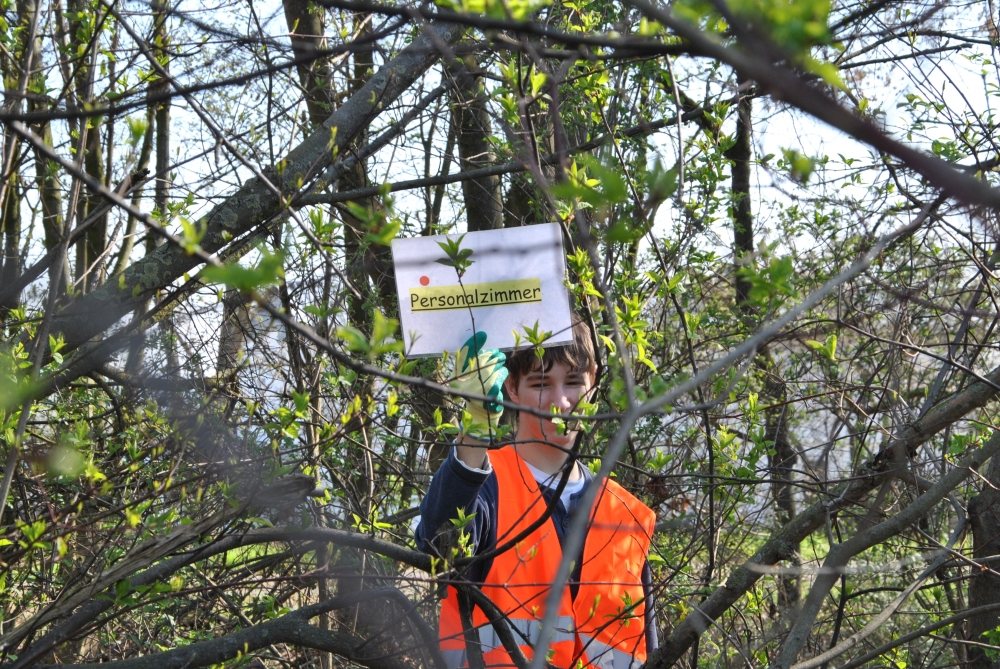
424, 280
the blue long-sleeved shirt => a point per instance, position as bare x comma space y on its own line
455, 486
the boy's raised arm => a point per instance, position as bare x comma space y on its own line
456, 486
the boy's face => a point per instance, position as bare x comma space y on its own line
560, 389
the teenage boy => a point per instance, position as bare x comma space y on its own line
606, 616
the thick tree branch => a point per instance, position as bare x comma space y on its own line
292, 628
784, 84
917, 633
779, 546
877, 621
841, 554
255, 203
291, 490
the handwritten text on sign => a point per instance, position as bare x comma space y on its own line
463, 296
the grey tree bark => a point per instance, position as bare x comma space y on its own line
254, 203
779, 546
782, 463
984, 586
232, 340
91, 246
471, 119
521, 203
369, 267
158, 131
46, 179
306, 23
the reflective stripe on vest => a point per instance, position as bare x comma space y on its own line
525, 631
606, 620
453, 659
602, 656
610, 606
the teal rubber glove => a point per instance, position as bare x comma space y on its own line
481, 371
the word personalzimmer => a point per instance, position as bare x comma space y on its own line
492, 294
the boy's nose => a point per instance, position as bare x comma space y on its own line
563, 403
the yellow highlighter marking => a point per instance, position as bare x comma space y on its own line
491, 294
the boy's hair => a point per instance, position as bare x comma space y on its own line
578, 356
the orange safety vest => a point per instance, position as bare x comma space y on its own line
604, 626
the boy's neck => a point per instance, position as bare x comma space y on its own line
545, 458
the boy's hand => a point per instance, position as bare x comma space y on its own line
482, 372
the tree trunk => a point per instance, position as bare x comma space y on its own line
12, 68
470, 116
10, 225
521, 205
232, 340
91, 246
781, 466
128, 240
782, 463
159, 117
46, 176
984, 586
741, 153
306, 22
369, 266
307, 25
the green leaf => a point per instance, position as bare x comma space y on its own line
137, 127
831, 347
301, 401
608, 188
191, 235
384, 233
457, 257
828, 72
771, 282
661, 183
799, 165
828, 348
383, 331
353, 338
269, 271
620, 232
538, 80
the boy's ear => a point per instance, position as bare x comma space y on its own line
511, 390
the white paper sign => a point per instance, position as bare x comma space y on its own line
515, 281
